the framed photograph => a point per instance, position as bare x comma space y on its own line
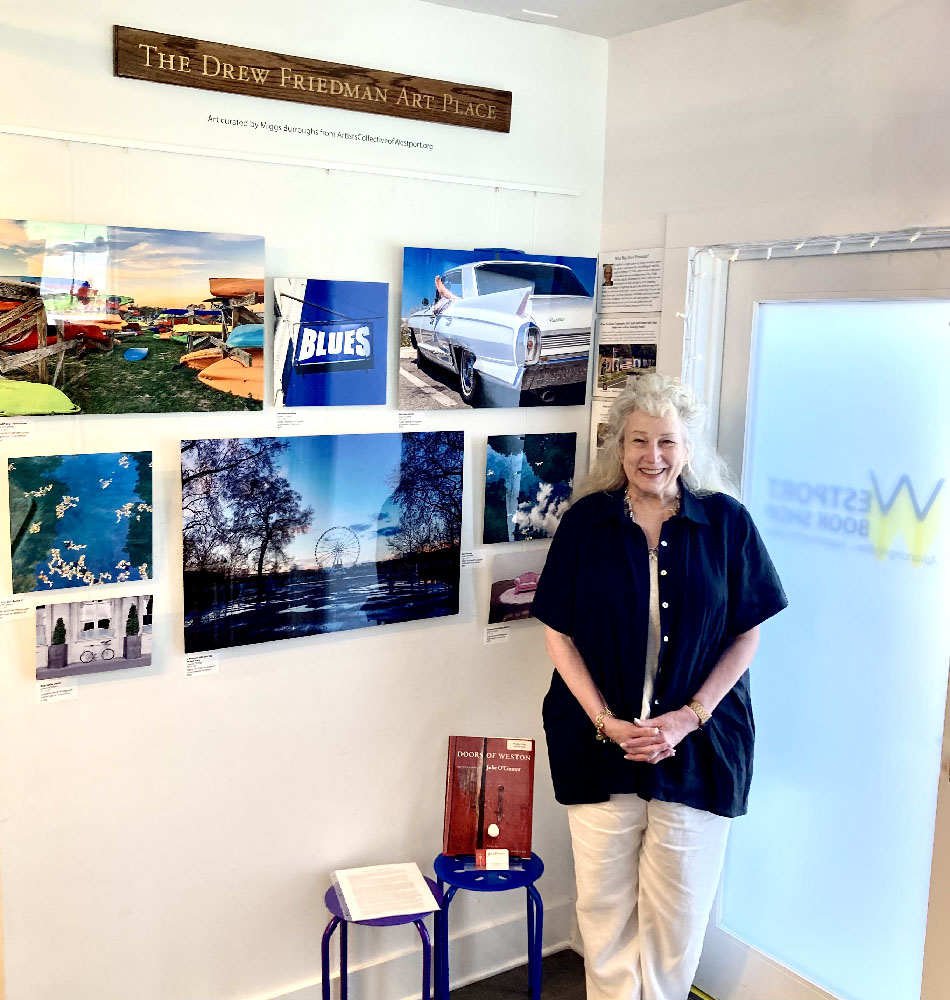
330, 342
528, 483
79, 520
289, 537
515, 578
93, 636
111, 319
495, 328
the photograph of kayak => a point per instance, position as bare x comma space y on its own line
79, 520
113, 319
330, 342
298, 536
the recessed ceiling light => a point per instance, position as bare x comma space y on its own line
539, 13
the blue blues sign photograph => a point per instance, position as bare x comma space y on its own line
330, 342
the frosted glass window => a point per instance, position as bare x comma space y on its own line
846, 469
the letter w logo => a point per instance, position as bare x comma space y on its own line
902, 513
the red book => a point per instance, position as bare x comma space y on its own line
489, 795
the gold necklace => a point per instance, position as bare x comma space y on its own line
672, 510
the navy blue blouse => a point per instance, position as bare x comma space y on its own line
716, 582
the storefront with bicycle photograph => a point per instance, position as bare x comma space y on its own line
86, 637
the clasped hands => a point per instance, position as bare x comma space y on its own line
654, 739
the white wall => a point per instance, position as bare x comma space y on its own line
775, 119
171, 839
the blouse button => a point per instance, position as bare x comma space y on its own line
662, 543
666, 604
662, 572
666, 638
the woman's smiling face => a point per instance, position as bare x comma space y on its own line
653, 454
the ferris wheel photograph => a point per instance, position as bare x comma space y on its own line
298, 536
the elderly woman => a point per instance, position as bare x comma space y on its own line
653, 591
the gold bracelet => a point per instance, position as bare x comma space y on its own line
701, 713
599, 723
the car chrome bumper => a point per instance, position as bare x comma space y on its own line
555, 371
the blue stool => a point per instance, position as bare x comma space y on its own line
459, 873
339, 919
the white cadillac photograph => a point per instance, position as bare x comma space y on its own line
494, 328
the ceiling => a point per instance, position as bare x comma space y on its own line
606, 18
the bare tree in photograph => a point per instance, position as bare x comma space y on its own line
427, 488
267, 515
237, 507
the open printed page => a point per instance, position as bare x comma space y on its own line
383, 891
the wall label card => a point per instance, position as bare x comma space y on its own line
471, 559
14, 430
192, 62
50, 691
496, 634
201, 663
289, 420
13, 609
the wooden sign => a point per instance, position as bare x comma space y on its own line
190, 62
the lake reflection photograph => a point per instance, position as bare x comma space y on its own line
289, 537
79, 520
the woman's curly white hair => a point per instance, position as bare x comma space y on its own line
657, 396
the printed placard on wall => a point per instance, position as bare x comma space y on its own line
630, 281
599, 417
94, 636
78, 520
515, 578
626, 346
330, 342
528, 482
192, 62
111, 319
288, 537
495, 328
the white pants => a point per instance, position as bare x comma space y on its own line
647, 874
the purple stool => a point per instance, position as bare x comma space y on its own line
339, 919
460, 873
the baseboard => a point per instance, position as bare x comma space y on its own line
475, 954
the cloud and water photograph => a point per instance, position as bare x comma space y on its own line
528, 483
289, 537
79, 520
111, 319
